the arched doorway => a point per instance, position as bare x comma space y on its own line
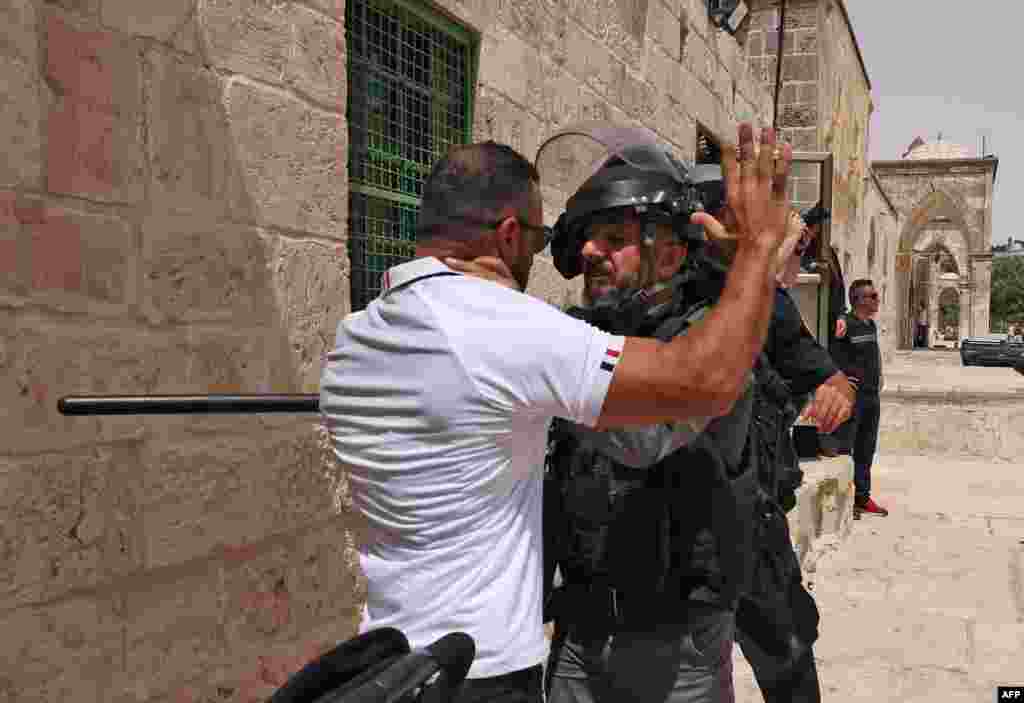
935, 255
949, 315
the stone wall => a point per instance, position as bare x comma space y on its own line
544, 65
845, 98
875, 259
172, 208
984, 425
824, 106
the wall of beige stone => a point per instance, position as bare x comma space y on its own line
873, 256
983, 425
172, 209
544, 65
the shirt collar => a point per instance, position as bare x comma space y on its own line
403, 274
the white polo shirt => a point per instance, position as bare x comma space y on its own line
438, 396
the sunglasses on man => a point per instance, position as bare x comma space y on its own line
547, 232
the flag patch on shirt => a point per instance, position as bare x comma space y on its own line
611, 357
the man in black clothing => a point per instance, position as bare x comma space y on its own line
857, 352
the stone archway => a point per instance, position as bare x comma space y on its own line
936, 247
949, 314
944, 201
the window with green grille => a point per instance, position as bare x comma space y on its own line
411, 74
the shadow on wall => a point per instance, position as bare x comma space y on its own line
176, 228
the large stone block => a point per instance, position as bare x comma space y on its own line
62, 652
197, 270
258, 596
159, 19
251, 37
19, 40
20, 110
286, 44
291, 588
663, 28
700, 60
317, 66
43, 360
800, 68
638, 99
542, 23
617, 24
200, 494
193, 160
592, 63
94, 143
21, 118
326, 581
498, 118
553, 95
69, 261
220, 490
172, 631
800, 16
502, 58
312, 286
291, 159
66, 522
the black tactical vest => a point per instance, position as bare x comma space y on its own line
667, 530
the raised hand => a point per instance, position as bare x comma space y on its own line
755, 187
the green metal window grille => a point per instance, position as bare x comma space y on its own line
411, 74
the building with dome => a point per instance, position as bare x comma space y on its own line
941, 281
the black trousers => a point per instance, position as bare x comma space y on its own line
525, 686
777, 589
684, 658
863, 437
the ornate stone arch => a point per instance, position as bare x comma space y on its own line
934, 204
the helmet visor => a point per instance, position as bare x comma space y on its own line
567, 159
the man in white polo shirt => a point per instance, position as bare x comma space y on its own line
438, 397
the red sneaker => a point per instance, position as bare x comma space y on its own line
870, 506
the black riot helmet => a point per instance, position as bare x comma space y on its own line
606, 169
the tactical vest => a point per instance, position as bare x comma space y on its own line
669, 529
774, 413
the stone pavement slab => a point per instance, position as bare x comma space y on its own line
926, 604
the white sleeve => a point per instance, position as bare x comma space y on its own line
545, 363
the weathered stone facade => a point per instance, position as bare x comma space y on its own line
172, 220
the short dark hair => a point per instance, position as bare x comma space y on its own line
473, 183
856, 287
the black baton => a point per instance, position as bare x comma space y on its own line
187, 404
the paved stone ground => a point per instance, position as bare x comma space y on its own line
926, 604
938, 370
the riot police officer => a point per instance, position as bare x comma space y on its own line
652, 527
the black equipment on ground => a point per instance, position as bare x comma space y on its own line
378, 667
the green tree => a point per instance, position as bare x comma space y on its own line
1007, 291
